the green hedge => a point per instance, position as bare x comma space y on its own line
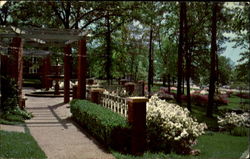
106, 126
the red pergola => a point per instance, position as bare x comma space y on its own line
16, 38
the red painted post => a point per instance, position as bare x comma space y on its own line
46, 71
4, 72
16, 62
137, 119
130, 87
74, 92
95, 94
67, 54
82, 50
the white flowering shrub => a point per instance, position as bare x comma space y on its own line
169, 125
119, 92
233, 120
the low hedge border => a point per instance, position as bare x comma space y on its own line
107, 127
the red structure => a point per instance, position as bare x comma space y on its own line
137, 119
40, 37
67, 67
46, 83
16, 65
81, 89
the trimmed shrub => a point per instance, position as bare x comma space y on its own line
106, 126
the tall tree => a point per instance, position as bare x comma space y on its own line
180, 52
187, 58
150, 58
108, 50
213, 62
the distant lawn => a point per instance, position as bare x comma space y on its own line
212, 145
19, 145
233, 103
32, 83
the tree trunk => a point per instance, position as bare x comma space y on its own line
150, 61
188, 58
180, 54
212, 66
164, 81
169, 85
183, 83
173, 80
108, 51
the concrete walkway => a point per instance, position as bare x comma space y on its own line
57, 135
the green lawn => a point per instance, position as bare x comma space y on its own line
19, 145
233, 103
212, 145
32, 83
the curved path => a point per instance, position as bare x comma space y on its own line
58, 136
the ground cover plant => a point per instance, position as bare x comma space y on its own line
19, 145
11, 112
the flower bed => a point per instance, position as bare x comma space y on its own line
202, 100
170, 127
243, 95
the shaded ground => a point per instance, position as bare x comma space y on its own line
57, 135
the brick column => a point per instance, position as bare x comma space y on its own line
142, 84
67, 67
74, 92
130, 87
82, 50
46, 83
123, 81
137, 119
4, 72
16, 65
95, 94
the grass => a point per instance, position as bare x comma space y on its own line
32, 83
221, 145
233, 103
19, 145
212, 145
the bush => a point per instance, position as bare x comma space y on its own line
106, 126
201, 100
221, 99
170, 127
243, 95
236, 124
15, 115
9, 99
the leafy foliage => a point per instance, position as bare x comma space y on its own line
107, 126
10, 96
